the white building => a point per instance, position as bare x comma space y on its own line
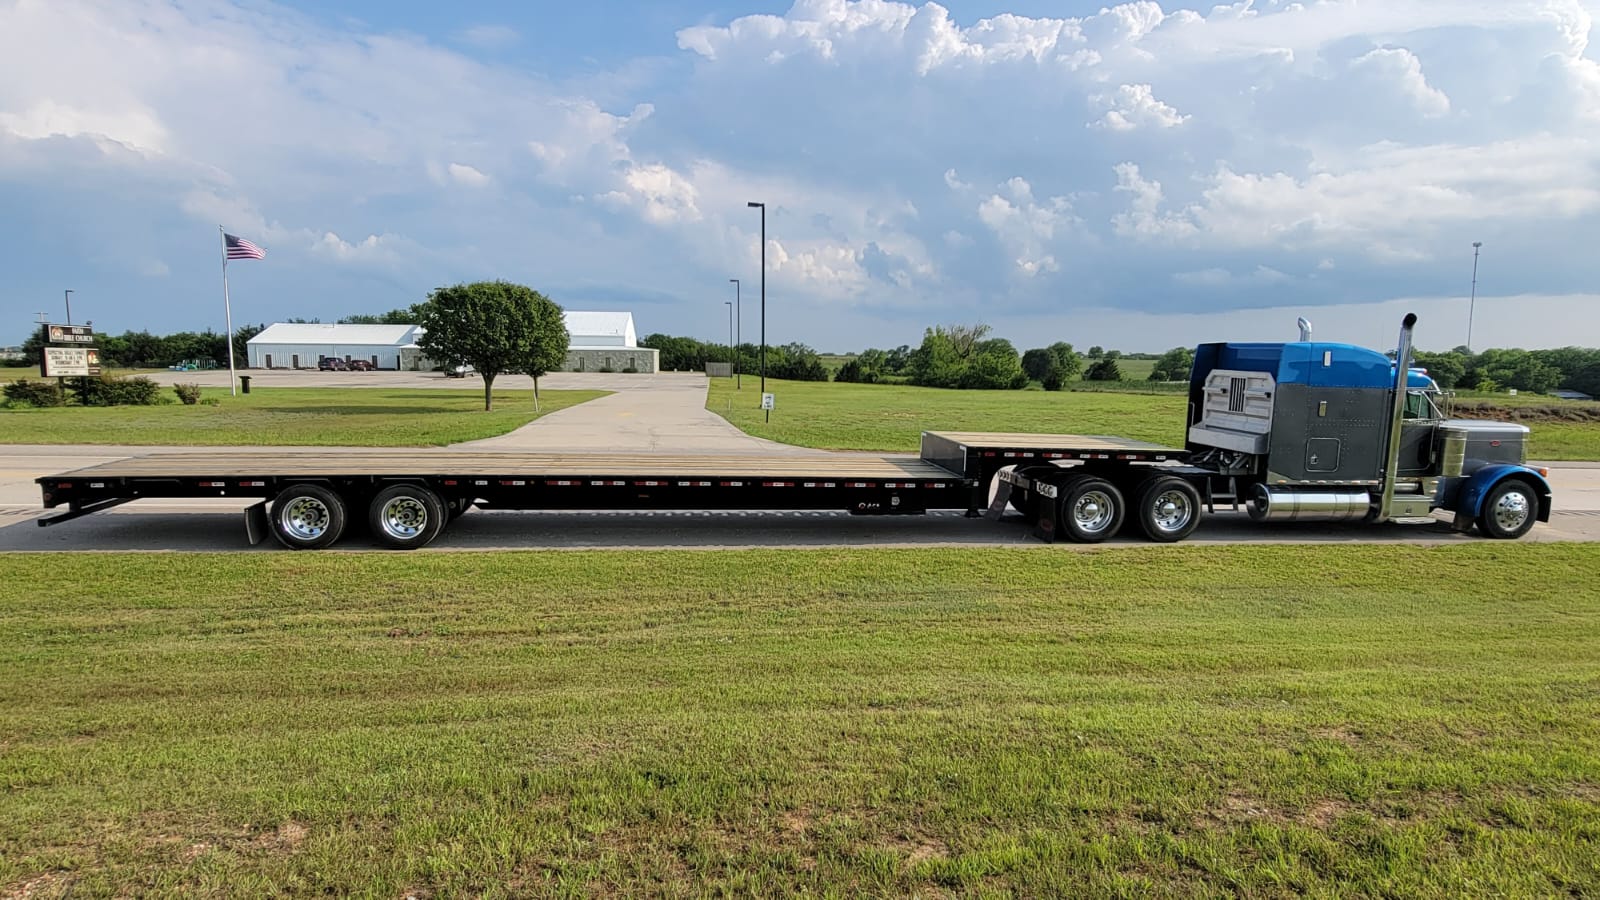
599, 342
606, 342
285, 345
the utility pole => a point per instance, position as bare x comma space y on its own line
763, 207
1472, 304
738, 318
68, 295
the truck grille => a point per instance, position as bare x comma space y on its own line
1236, 394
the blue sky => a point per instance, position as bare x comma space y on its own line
1140, 175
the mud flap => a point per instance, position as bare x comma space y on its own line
1044, 527
1002, 496
1463, 522
256, 528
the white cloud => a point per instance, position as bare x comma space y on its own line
954, 182
1025, 227
467, 175
1220, 277
1401, 68
666, 196
1133, 106
490, 37
373, 249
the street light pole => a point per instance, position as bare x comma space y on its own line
763, 207
738, 318
1472, 304
729, 305
68, 295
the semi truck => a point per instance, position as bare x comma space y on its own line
1287, 431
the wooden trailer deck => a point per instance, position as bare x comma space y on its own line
381, 463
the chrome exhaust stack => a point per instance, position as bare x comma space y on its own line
1397, 408
1305, 328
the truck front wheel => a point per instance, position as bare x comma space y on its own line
1509, 510
307, 517
1091, 509
1168, 508
406, 516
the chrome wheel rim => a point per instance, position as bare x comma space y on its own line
305, 518
404, 517
1512, 510
1092, 511
1171, 511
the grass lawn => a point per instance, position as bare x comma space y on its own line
1048, 722
891, 417
361, 417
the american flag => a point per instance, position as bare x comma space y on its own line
239, 248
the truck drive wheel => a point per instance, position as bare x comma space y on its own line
1168, 508
307, 517
1091, 509
1509, 510
406, 516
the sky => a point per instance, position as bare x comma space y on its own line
1137, 176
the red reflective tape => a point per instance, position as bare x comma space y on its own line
513, 483
604, 483
650, 484
777, 484
252, 484
733, 484
63, 484
450, 482
560, 483
988, 453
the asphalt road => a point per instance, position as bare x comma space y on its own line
650, 412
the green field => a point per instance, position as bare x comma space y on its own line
356, 417
891, 417
1264, 721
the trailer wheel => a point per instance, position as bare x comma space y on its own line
406, 516
1509, 510
307, 517
1168, 508
1091, 509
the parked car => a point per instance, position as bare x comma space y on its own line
460, 371
333, 364
361, 365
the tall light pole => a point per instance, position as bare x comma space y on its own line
1472, 304
738, 318
68, 295
763, 207
729, 305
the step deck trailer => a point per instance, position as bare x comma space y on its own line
407, 496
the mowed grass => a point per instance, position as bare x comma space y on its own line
1038, 722
891, 417
354, 417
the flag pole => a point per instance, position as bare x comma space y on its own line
227, 306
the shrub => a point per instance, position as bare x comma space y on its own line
108, 390
188, 393
607, 369
34, 393
631, 368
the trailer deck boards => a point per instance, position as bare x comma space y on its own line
979, 454
314, 462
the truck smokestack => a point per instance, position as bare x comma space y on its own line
1397, 408
1305, 328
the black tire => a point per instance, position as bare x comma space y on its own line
1091, 509
1509, 511
406, 516
307, 517
1167, 508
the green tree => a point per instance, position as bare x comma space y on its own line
1446, 369
1096, 352
547, 344
241, 342
406, 316
1038, 363
1174, 365
490, 325
1068, 363
1103, 370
